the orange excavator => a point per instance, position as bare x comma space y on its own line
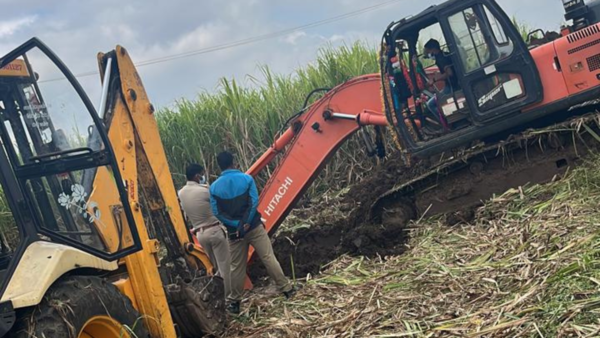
517, 116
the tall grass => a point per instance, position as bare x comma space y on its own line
8, 232
245, 119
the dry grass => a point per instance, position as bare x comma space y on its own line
528, 267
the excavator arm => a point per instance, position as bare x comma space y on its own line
311, 140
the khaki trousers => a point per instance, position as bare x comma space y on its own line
214, 241
259, 239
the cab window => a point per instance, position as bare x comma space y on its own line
480, 39
471, 46
503, 43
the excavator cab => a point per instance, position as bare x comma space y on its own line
53, 147
495, 73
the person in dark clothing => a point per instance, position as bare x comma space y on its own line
388, 54
444, 64
446, 68
234, 201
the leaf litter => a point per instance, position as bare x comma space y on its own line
527, 266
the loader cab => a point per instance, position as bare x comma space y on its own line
54, 146
495, 75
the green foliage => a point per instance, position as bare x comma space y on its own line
245, 119
7, 222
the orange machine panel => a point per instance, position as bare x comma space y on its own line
551, 74
15, 68
579, 55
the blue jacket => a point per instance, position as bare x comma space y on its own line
234, 199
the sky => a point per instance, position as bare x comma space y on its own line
77, 30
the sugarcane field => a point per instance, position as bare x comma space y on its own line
300, 169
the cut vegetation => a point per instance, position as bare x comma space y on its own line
527, 266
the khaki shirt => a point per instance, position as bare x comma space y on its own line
195, 201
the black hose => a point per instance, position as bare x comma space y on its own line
311, 94
304, 106
379, 143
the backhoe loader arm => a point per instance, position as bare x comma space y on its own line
169, 261
153, 179
311, 140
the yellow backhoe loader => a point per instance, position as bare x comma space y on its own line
94, 243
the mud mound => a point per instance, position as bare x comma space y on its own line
385, 176
307, 250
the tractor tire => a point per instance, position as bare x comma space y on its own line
81, 307
198, 307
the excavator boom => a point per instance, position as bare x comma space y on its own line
314, 137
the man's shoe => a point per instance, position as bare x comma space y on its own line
234, 308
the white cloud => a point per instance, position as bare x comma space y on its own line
293, 37
9, 27
336, 38
124, 31
201, 37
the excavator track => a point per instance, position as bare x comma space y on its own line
454, 185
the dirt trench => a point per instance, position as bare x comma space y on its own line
343, 226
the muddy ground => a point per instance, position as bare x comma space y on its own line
341, 225
316, 235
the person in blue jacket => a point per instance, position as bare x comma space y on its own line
234, 201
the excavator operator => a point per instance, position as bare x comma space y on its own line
444, 63
234, 200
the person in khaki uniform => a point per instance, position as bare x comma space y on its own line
195, 201
234, 199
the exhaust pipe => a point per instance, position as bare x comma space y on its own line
577, 11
